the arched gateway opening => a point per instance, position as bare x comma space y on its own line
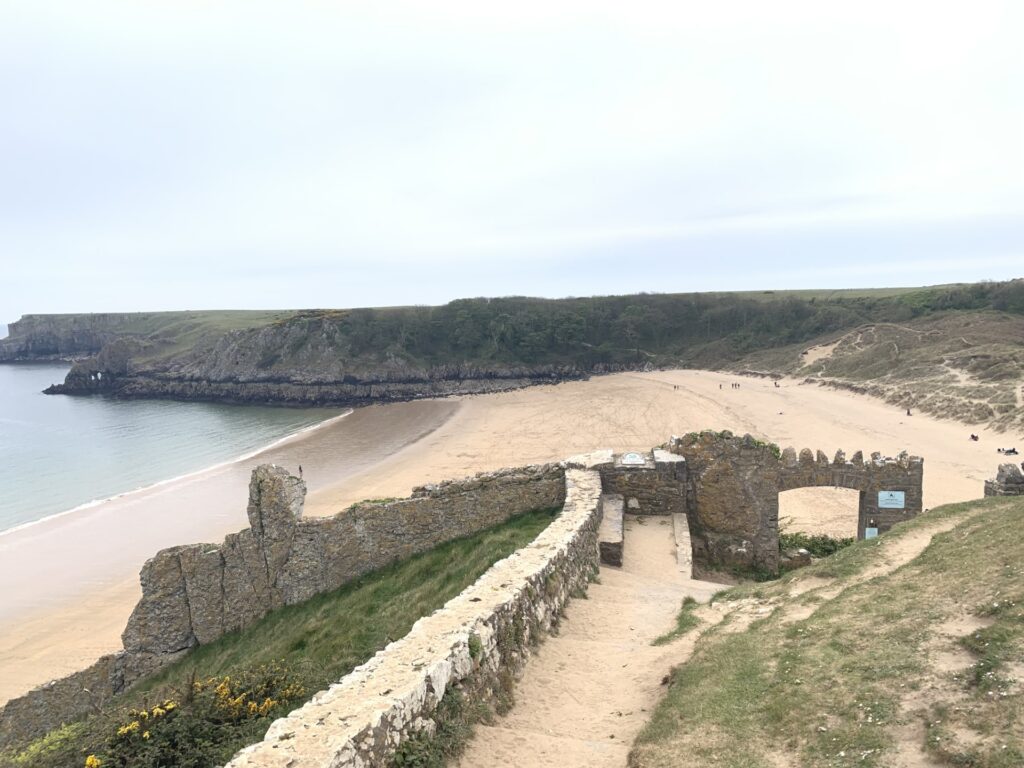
820, 511
733, 486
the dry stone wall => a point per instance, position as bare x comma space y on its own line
193, 594
480, 638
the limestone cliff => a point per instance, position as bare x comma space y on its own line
60, 337
357, 356
314, 359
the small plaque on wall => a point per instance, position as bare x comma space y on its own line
890, 499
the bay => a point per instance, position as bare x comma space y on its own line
59, 452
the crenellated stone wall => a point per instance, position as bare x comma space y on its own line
193, 594
476, 640
733, 485
1009, 481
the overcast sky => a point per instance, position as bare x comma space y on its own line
186, 154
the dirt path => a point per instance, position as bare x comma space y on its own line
587, 692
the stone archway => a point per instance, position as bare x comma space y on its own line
819, 511
733, 485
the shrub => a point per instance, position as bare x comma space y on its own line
819, 545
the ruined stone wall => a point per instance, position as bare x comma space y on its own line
364, 718
193, 594
1009, 481
654, 488
733, 485
732, 501
904, 474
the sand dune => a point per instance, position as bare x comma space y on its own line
396, 447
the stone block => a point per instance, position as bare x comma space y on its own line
610, 534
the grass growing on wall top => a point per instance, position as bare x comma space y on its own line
220, 691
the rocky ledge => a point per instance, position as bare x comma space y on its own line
87, 378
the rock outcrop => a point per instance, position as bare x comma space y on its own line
309, 359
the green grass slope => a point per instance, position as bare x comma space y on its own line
891, 652
224, 695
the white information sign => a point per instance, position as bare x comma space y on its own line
632, 459
870, 533
890, 500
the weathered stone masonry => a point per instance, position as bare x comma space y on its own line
193, 594
733, 486
725, 488
1009, 481
361, 720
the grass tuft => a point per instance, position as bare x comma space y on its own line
685, 621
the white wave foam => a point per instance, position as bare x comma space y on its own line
180, 478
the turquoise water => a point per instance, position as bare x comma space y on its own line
59, 452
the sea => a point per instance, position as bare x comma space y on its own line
60, 453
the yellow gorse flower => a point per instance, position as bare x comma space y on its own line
132, 727
92, 762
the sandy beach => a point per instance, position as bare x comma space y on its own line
72, 581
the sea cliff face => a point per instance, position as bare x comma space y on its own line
60, 337
308, 362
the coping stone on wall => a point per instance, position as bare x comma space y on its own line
360, 721
590, 460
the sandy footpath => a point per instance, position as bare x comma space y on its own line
588, 691
71, 583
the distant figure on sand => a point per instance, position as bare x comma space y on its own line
300, 471
776, 384
1007, 451
974, 437
908, 412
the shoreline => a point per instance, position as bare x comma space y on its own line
386, 450
177, 478
73, 579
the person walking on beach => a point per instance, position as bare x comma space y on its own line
300, 471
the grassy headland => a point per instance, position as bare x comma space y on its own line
956, 351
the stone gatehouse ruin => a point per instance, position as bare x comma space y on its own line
721, 492
733, 485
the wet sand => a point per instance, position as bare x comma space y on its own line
73, 583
